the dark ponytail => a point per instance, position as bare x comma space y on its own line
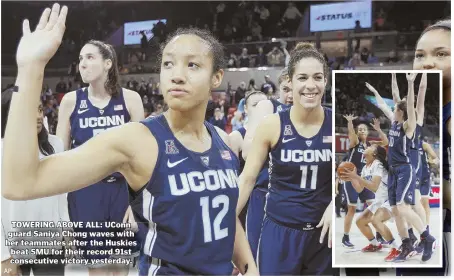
381, 156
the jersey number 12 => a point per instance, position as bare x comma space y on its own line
314, 170
216, 203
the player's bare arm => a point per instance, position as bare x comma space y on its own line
352, 137
410, 124
433, 159
134, 104
384, 139
120, 150
263, 109
64, 112
381, 103
420, 100
235, 141
265, 139
395, 88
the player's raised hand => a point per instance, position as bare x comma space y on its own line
37, 48
326, 223
411, 77
376, 124
371, 88
350, 118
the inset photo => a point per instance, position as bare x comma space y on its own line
387, 151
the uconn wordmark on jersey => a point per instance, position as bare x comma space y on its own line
88, 120
103, 121
196, 181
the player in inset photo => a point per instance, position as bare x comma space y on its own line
394, 227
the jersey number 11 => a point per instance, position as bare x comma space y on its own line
314, 170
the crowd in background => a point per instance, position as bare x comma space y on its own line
250, 25
351, 90
247, 29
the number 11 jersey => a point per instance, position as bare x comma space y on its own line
300, 174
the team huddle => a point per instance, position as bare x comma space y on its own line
395, 183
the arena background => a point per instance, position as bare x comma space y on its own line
244, 27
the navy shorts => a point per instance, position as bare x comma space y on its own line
352, 195
425, 187
101, 202
401, 184
254, 218
289, 251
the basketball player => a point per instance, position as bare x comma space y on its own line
433, 52
298, 202
428, 159
255, 211
358, 144
269, 106
84, 114
374, 176
189, 206
53, 208
256, 203
401, 179
416, 143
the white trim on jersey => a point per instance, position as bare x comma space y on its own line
154, 266
351, 154
405, 148
419, 162
404, 193
147, 211
258, 246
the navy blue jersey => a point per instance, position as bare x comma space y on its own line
357, 156
425, 168
446, 143
300, 174
87, 120
416, 141
399, 145
242, 131
190, 203
278, 106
